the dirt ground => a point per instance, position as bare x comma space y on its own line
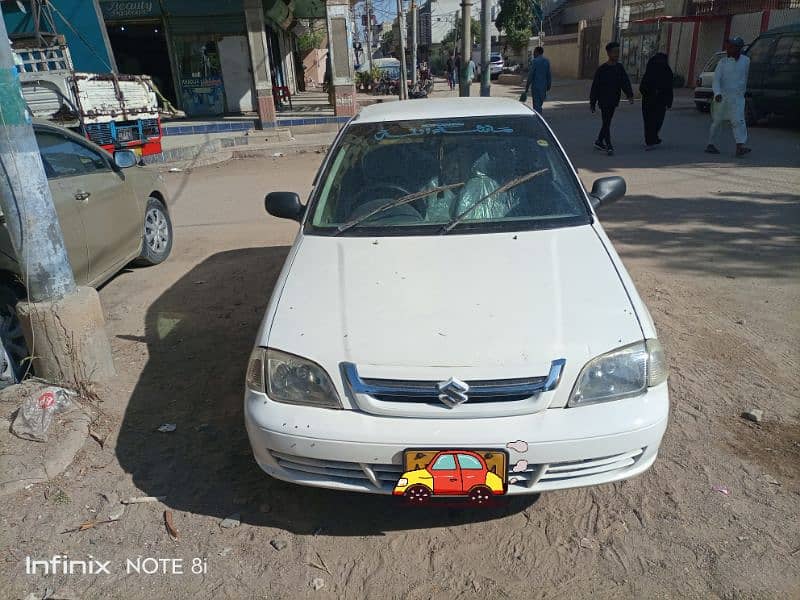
712, 247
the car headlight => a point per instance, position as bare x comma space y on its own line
290, 379
621, 373
402, 482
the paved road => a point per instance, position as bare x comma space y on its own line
712, 245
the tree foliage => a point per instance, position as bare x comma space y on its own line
454, 34
516, 19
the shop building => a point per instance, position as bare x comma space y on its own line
198, 51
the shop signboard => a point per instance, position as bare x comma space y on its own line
122, 10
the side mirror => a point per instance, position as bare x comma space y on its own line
284, 205
125, 158
607, 190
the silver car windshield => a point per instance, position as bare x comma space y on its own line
467, 161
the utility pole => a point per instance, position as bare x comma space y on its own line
70, 319
466, 47
369, 34
403, 72
414, 43
486, 46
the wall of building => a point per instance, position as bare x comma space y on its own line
787, 16
747, 26
680, 47
563, 52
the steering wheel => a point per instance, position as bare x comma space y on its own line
382, 186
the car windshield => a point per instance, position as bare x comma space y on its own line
712, 62
495, 57
483, 174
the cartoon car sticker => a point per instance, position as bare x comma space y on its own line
474, 474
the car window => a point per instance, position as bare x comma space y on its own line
465, 461
760, 49
444, 462
712, 63
787, 51
376, 163
63, 157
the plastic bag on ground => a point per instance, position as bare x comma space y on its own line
37, 411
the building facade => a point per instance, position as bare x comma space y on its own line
691, 31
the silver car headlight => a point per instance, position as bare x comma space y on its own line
290, 379
621, 373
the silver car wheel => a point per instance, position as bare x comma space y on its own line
12, 348
156, 230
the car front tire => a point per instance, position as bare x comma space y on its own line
13, 348
156, 234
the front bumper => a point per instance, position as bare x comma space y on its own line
553, 449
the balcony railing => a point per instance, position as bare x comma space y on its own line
735, 7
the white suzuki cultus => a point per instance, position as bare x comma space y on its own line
450, 288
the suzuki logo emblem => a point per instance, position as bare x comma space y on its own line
453, 392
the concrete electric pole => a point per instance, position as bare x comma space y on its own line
486, 47
70, 319
466, 47
414, 42
403, 72
369, 34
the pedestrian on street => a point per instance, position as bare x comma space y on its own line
449, 66
656, 90
457, 69
539, 78
610, 80
730, 85
469, 73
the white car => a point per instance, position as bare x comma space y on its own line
703, 91
496, 64
451, 288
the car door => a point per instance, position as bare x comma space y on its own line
59, 167
784, 74
472, 472
109, 209
446, 476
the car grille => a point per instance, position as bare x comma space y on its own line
369, 477
150, 128
425, 399
100, 133
383, 477
479, 391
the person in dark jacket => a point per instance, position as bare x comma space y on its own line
450, 67
610, 80
656, 90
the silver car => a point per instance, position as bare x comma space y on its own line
111, 212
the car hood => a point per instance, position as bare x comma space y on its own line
489, 306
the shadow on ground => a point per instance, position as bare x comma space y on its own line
199, 334
733, 234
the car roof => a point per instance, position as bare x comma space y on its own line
441, 108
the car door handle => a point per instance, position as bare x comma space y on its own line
82, 195
454, 479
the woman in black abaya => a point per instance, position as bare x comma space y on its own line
656, 90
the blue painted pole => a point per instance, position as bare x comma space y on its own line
25, 198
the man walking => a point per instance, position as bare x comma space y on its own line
730, 85
609, 80
539, 78
449, 67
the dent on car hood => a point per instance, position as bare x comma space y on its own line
471, 306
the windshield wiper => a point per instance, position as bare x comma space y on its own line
503, 188
397, 202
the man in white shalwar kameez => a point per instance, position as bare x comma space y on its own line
730, 85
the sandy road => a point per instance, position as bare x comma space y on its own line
712, 247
